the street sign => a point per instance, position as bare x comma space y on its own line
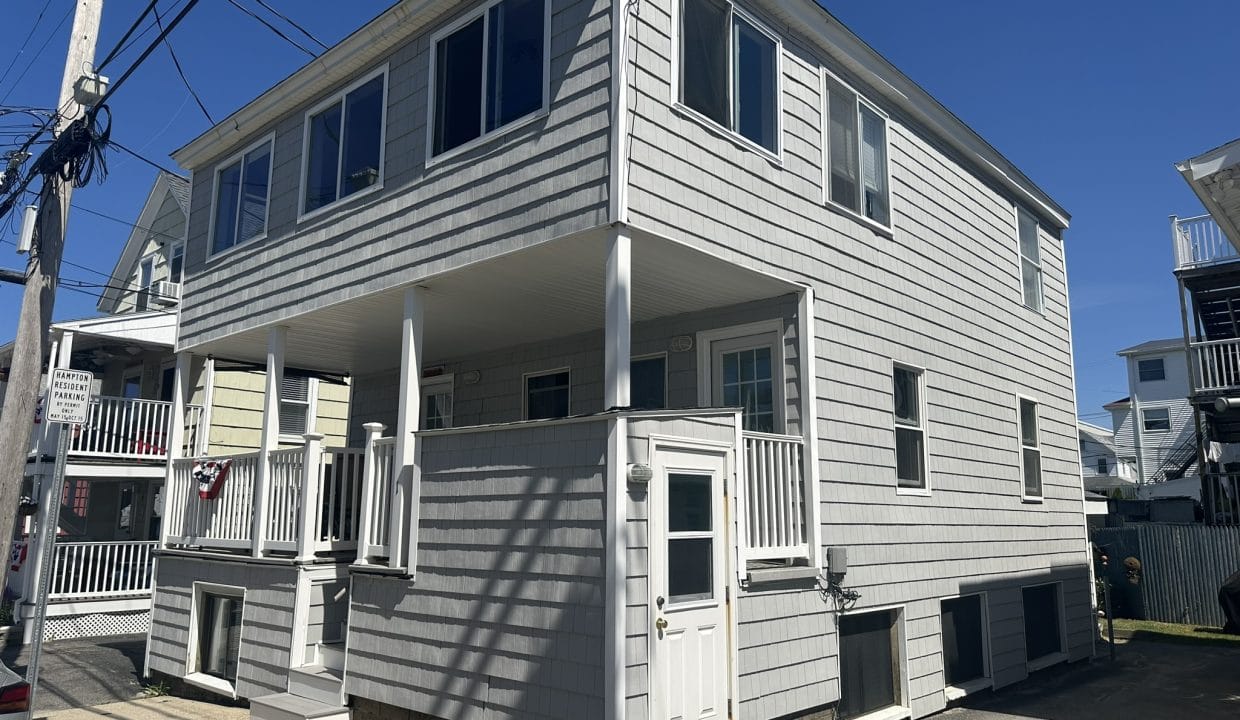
69, 399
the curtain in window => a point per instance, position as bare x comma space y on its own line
842, 143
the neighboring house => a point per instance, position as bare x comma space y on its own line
1206, 265
111, 506
1101, 469
1154, 424
637, 343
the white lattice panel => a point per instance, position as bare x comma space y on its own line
70, 627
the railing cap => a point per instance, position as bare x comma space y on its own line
313, 436
374, 427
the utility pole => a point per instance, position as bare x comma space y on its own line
42, 271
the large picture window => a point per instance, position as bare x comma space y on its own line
856, 154
344, 144
729, 70
489, 73
242, 190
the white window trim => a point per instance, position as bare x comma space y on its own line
525, 389
486, 136
150, 257
706, 362
1020, 260
1155, 408
192, 674
172, 251
312, 412
239, 156
825, 130
920, 372
338, 97
986, 681
1020, 445
1162, 362
776, 157
433, 386
904, 710
666, 371
1062, 655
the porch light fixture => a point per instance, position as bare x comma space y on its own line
471, 378
640, 473
682, 343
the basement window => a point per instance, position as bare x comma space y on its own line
215, 637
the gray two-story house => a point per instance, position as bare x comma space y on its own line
702, 365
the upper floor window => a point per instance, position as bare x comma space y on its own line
1030, 259
910, 423
1151, 369
344, 143
729, 70
1103, 468
546, 395
242, 189
1030, 449
146, 276
176, 262
1156, 420
489, 72
856, 154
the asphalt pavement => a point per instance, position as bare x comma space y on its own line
83, 673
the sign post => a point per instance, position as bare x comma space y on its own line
68, 403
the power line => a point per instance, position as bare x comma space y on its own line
25, 42
272, 28
177, 63
146, 53
290, 21
105, 216
118, 49
144, 159
37, 54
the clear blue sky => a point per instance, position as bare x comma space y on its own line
1093, 99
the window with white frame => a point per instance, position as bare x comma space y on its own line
729, 70
176, 262
856, 151
648, 382
908, 409
218, 634
344, 143
547, 395
1151, 369
489, 72
1030, 259
242, 191
1030, 449
1156, 419
437, 403
146, 276
294, 405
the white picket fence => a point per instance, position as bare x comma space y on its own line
133, 429
773, 498
92, 570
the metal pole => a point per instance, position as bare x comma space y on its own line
49, 521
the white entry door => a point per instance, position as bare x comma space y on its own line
689, 614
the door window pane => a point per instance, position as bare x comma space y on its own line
756, 85
514, 61
747, 382
704, 59
688, 503
648, 383
219, 636
689, 569
437, 410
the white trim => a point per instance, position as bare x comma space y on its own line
616, 570
482, 11
1020, 445
807, 352
1017, 210
705, 341
311, 402
270, 140
339, 97
193, 675
208, 405
1055, 657
618, 192
986, 681
825, 149
525, 390
922, 425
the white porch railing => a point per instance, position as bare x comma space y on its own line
134, 429
284, 498
223, 522
89, 570
1200, 242
340, 499
1217, 363
377, 489
773, 498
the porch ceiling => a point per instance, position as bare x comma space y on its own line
1214, 177
550, 290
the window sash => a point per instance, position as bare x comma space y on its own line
176, 263
1156, 420
1030, 259
547, 395
1151, 370
340, 147
909, 418
294, 405
1030, 448
856, 154
748, 382
242, 194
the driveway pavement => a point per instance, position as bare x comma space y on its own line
82, 673
1148, 681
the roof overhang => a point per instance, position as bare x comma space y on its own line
1214, 177
148, 328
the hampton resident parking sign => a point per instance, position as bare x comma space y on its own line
69, 398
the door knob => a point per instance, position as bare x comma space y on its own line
661, 623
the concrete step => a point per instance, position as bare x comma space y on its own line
287, 706
319, 683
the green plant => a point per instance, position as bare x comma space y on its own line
158, 689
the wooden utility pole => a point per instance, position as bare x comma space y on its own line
42, 271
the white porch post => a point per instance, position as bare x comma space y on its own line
176, 439
203, 432
406, 491
270, 440
808, 371
617, 351
365, 521
308, 508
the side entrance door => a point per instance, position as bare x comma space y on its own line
688, 567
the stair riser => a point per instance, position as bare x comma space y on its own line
327, 691
267, 712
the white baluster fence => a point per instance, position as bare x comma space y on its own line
1199, 242
283, 498
128, 428
1217, 364
222, 522
88, 570
340, 499
773, 498
377, 489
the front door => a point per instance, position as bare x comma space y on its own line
689, 615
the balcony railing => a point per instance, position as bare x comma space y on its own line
1200, 242
1220, 499
94, 570
1217, 365
773, 498
132, 429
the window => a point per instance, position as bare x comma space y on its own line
242, 188
729, 70
176, 262
1030, 260
648, 383
690, 538
489, 73
964, 639
546, 395
294, 405
1043, 630
1030, 449
748, 382
437, 402
1156, 420
131, 384
856, 154
1150, 370
1102, 466
742, 366
870, 662
344, 144
910, 427
146, 275
219, 635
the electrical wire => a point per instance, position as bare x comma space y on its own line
177, 63
147, 52
175, 238
25, 42
146, 160
118, 49
271, 27
290, 21
37, 54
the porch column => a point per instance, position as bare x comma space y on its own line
402, 545
176, 438
203, 432
808, 371
617, 352
277, 338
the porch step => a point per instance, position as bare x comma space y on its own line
331, 655
318, 683
287, 706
